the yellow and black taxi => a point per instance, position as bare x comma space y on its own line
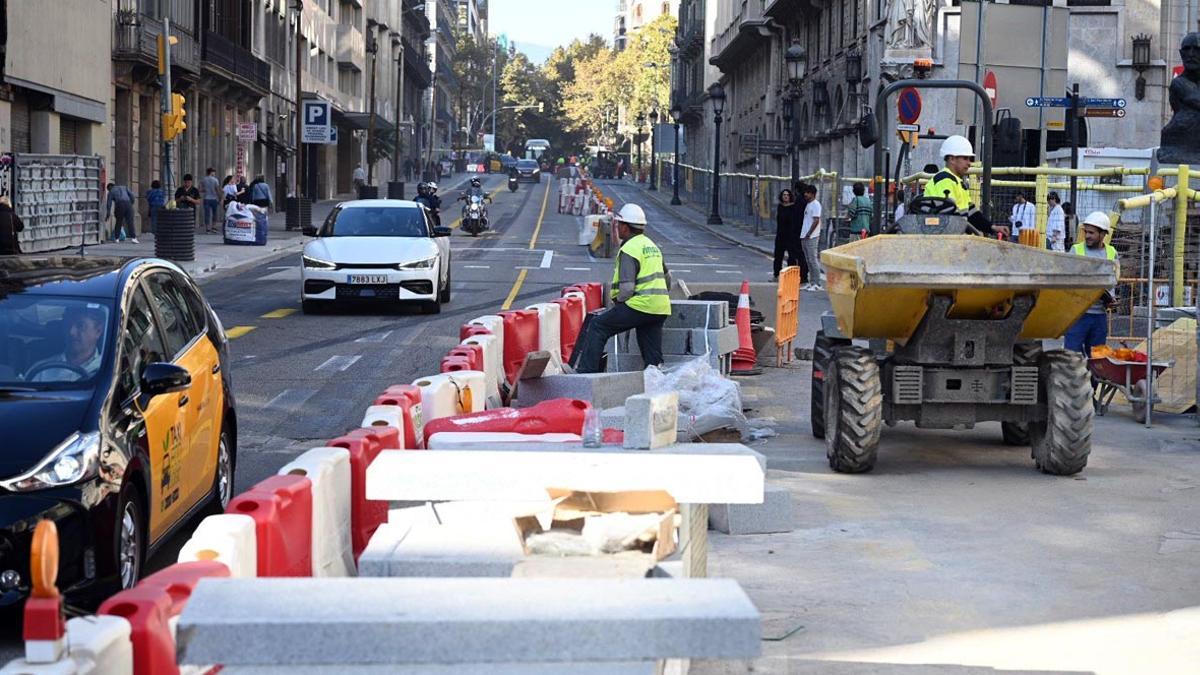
116, 415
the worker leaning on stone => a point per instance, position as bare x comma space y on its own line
639, 294
952, 183
1091, 330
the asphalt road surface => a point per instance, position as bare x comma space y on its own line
301, 380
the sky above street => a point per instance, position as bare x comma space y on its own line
538, 26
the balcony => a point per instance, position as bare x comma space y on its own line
783, 10
351, 48
135, 38
691, 38
416, 66
741, 37
235, 63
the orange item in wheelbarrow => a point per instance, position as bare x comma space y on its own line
1101, 351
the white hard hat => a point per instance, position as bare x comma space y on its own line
1099, 220
957, 146
633, 216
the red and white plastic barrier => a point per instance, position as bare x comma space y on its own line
593, 293
493, 363
520, 338
492, 322
408, 398
384, 416
227, 538
452, 439
281, 507
364, 445
329, 471
152, 608
570, 322
558, 416
549, 325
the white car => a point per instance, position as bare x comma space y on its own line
376, 249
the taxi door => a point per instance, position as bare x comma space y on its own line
193, 468
161, 430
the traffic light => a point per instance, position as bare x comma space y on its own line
172, 122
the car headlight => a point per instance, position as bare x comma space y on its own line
317, 263
419, 264
75, 459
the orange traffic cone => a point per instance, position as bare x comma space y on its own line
745, 359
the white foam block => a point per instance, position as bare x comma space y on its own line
692, 473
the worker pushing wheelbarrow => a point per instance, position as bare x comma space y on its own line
1129, 372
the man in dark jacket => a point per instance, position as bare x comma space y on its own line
10, 225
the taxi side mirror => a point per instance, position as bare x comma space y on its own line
441, 231
164, 378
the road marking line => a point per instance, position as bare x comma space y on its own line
238, 331
338, 363
291, 399
285, 267
377, 337
279, 313
671, 270
547, 258
512, 295
727, 271
516, 288
477, 267
578, 269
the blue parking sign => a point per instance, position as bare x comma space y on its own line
317, 122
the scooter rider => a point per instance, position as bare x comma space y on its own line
430, 201
952, 183
476, 190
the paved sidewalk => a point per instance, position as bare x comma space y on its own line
734, 230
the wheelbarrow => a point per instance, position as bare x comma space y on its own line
1129, 378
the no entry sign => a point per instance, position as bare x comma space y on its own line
992, 89
908, 105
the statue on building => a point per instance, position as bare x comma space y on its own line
910, 24
1180, 141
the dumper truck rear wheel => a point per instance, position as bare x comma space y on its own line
822, 351
1063, 440
853, 410
1024, 354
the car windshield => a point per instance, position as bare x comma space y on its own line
527, 164
375, 221
49, 342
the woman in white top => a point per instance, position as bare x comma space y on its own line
229, 190
1056, 224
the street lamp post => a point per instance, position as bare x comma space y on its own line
716, 93
676, 116
653, 148
796, 59
373, 50
641, 122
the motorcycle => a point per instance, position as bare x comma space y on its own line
474, 216
512, 183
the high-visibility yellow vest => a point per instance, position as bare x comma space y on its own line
1109, 251
650, 294
945, 184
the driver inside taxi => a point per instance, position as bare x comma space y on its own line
84, 328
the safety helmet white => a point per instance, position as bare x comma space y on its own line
957, 146
1098, 220
633, 216
431, 186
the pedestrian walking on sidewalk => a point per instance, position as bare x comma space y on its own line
260, 193
810, 237
359, 179
861, 210
210, 191
639, 294
10, 225
1023, 216
120, 206
788, 218
156, 200
229, 191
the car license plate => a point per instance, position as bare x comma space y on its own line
366, 279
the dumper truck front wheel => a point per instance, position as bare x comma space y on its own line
822, 352
1063, 440
853, 409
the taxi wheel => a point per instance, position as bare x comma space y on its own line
130, 539
223, 481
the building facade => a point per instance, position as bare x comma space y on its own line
633, 14
853, 48
442, 46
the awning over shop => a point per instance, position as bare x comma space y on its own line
361, 121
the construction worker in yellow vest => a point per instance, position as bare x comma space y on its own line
1091, 329
639, 297
952, 183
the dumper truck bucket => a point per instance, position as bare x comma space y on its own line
880, 286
